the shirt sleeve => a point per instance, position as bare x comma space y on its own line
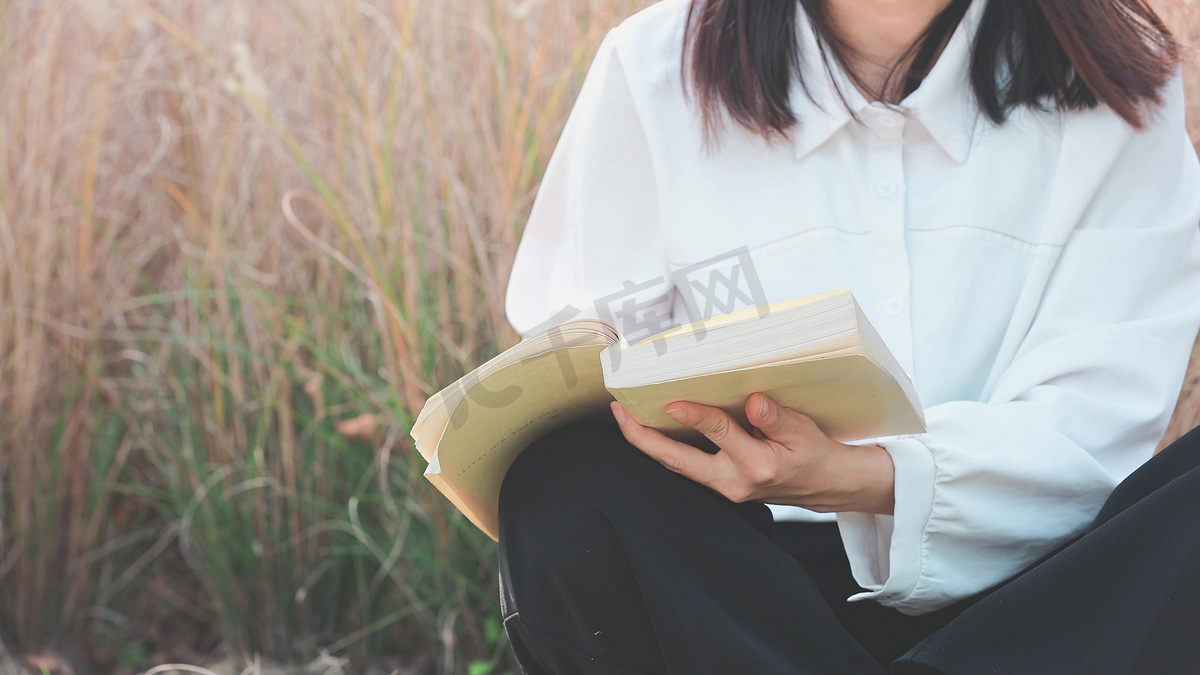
593, 245
995, 485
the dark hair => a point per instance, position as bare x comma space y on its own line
742, 55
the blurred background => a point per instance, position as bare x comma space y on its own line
240, 243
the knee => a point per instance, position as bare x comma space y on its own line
1176, 460
1184, 452
555, 506
561, 480
568, 459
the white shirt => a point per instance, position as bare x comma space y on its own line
1039, 281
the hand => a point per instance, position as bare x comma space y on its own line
786, 459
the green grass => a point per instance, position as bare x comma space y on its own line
240, 244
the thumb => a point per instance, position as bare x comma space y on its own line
779, 423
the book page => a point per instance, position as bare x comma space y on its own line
573, 333
847, 393
480, 440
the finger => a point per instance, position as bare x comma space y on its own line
749, 463
779, 423
676, 456
714, 423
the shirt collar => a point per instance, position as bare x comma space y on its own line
944, 103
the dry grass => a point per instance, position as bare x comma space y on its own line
240, 242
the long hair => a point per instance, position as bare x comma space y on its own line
742, 55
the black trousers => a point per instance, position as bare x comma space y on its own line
611, 564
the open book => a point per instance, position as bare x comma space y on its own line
819, 355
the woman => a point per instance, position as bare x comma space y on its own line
1008, 188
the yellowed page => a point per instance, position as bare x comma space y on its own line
473, 457
850, 396
577, 332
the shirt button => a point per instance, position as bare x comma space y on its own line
886, 188
894, 305
887, 122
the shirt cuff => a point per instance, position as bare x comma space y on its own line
887, 552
